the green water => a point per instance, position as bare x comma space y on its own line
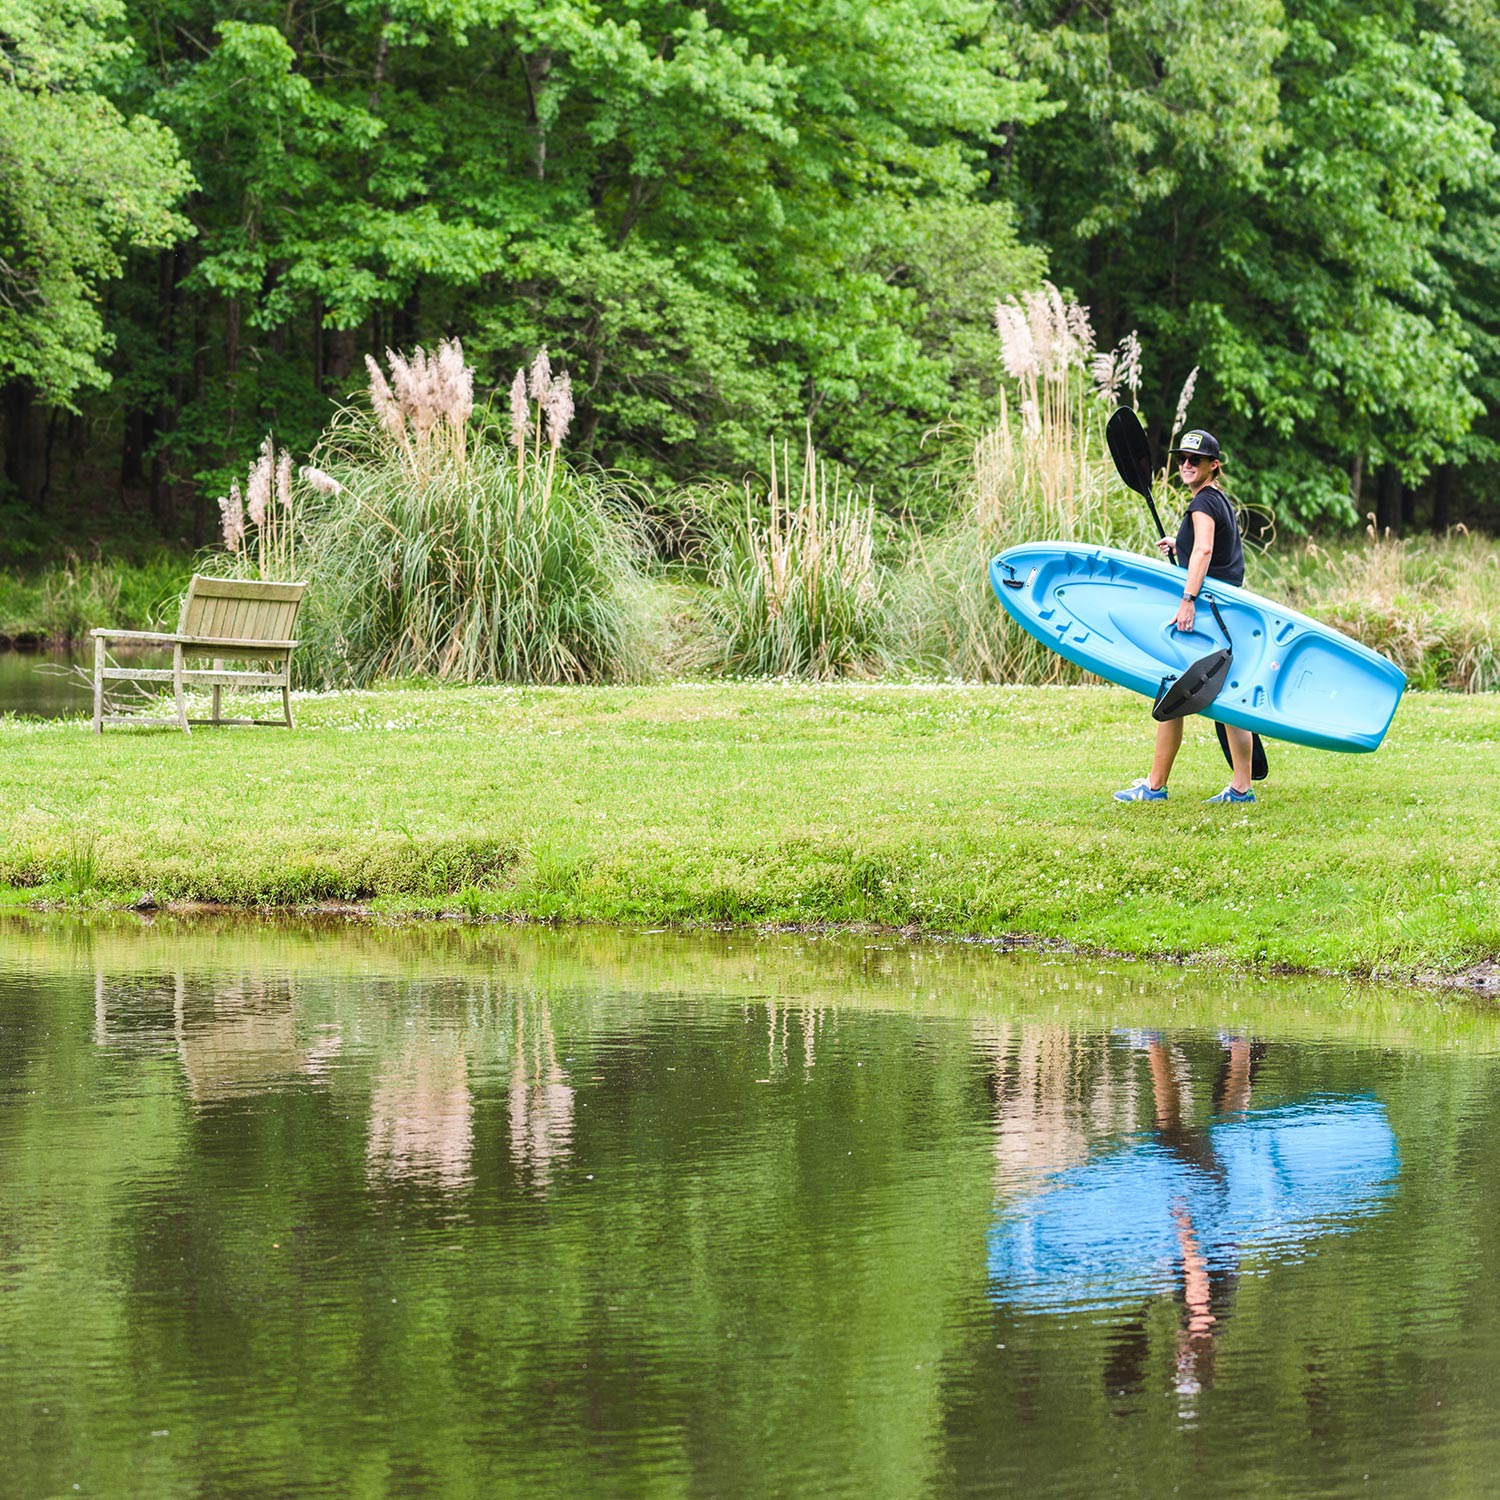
305, 1209
55, 684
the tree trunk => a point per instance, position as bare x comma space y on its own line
1388, 502
23, 432
1445, 483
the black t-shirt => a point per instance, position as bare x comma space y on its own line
1228, 561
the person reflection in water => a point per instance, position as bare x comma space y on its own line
1204, 1289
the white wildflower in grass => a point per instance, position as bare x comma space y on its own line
383, 399
267, 506
1106, 373
1183, 402
541, 376
520, 411
1016, 348
1039, 321
1081, 329
557, 404
1130, 363
427, 403
284, 480
456, 380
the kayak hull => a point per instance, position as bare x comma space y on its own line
1112, 613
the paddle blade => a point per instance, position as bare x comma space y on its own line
1258, 767
1130, 450
1191, 692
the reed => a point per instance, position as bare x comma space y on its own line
795, 588
60, 603
259, 526
1431, 604
1043, 473
434, 553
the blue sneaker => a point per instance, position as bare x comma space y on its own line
1230, 795
1140, 791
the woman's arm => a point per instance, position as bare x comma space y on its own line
1197, 571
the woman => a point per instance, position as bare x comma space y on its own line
1209, 538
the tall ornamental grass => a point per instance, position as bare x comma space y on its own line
436, 548
795, 588
1431, 604
1042, 475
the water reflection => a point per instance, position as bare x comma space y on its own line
422, 1116
429, 1210
1180, 1208
541, 1099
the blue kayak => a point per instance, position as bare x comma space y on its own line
1112, 612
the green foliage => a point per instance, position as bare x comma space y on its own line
1261, 191
718, 220
64, 601
1432, 606
79, 181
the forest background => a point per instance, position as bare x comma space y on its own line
732, 219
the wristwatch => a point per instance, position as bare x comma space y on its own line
1189, 598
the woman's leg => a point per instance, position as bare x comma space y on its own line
1168, 743
1241, 746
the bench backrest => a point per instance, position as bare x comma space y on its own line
234, 609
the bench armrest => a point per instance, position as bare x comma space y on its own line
204, 643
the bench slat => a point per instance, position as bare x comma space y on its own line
245, 588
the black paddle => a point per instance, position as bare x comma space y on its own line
1132, 455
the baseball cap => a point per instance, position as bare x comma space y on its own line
1198, 444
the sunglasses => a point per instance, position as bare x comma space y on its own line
1192, 460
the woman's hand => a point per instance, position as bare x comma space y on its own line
1167, 547
1186, 613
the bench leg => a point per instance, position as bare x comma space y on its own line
218, 691
98, 687
286, 698
182, 718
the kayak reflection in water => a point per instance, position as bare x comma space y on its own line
1180, 1207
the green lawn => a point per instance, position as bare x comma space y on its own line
967, 810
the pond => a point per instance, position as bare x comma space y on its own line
53, 683
42, 684
309, 1208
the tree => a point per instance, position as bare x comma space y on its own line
1261, 190
78, 182
722, 222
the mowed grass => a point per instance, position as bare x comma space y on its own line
968, 810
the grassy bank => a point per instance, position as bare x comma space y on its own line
969, 810
59, 604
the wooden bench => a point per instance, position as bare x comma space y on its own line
222, 619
